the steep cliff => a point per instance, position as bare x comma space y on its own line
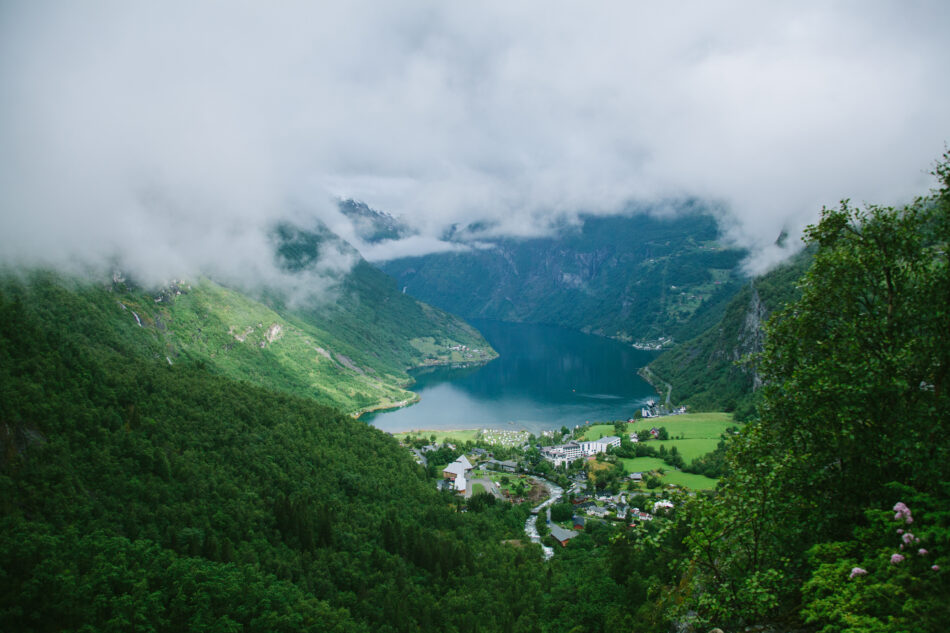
713, 371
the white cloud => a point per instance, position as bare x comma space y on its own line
172, 135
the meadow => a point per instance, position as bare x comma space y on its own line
691, 426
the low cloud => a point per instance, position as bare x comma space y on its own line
173, 136
408, 247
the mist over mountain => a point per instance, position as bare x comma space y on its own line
635, 277
172, 139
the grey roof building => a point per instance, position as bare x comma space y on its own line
561, 535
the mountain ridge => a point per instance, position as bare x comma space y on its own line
636, 278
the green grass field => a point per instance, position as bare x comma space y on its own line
477, 488
670, 476
455, 437
689, 480
597, 431
692, 426
690, 449
644, 464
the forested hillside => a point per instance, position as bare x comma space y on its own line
635, 278
836, 514
715, 371
138, 495
349, 349
155, 497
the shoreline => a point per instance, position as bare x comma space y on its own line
647, 374
408, 402
386, 407
416, 431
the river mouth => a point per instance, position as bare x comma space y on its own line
545, 377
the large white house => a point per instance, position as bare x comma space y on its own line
457, 472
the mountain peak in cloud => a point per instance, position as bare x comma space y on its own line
175, 135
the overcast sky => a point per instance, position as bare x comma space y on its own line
171, 135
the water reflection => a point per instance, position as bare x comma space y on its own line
546, 377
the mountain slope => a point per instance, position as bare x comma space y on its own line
138, 495
352, 353
372, 226
636, 278
703, 371
142, 496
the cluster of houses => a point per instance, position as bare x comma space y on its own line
632, 515
617, 505
576, 449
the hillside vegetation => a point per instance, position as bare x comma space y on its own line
141, 495
352, 353
714, 371
834, 516
636, 278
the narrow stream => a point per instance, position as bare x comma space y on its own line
531, 525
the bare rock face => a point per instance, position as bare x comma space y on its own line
273, 333
174, 289
714, 370
752, 334
349, 364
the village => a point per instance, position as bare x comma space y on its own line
592, 477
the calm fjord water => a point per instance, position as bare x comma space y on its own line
546, 377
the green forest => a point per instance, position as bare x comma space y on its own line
139, 495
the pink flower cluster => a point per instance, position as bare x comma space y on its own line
902, 512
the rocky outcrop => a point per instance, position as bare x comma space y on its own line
751, 338
716, 370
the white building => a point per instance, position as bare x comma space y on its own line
593, 447
566, 453
457, 471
